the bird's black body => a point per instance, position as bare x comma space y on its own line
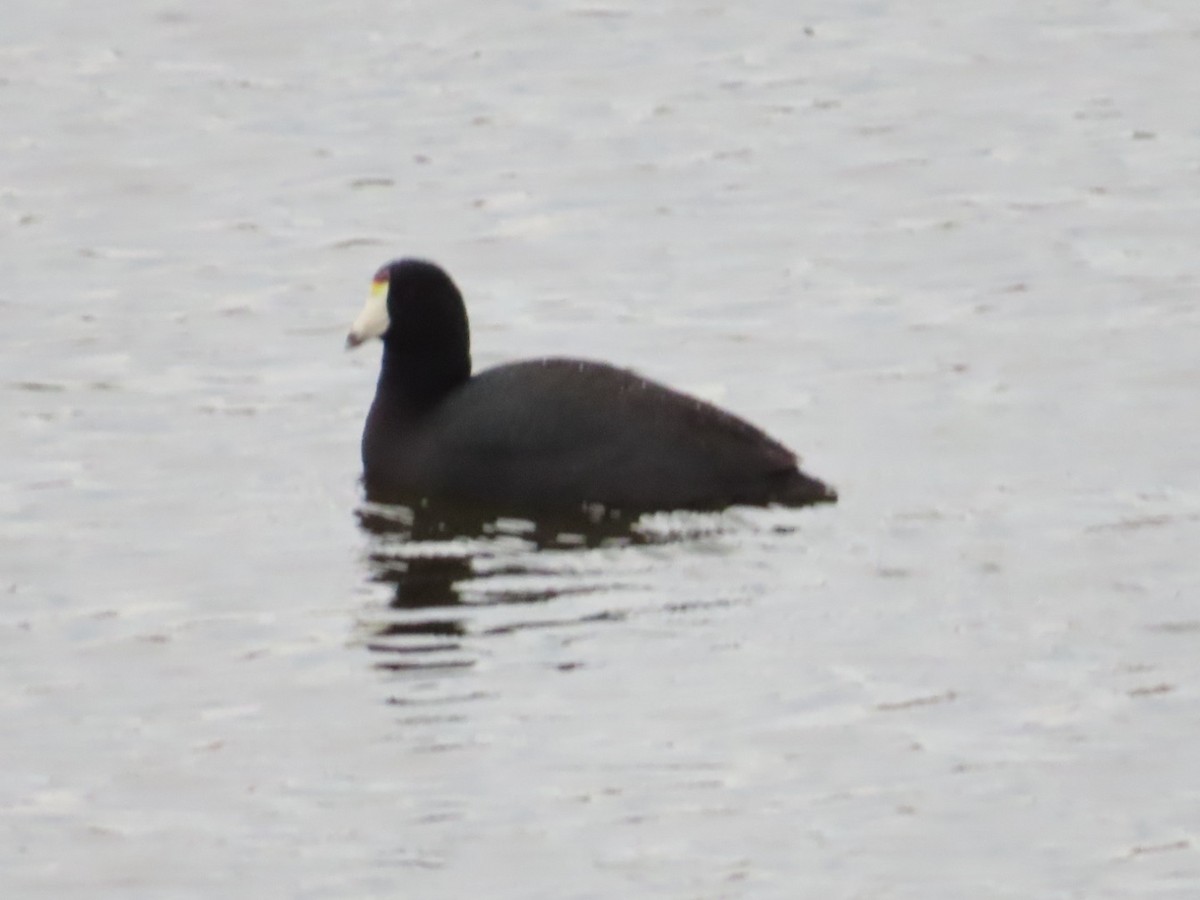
548, 434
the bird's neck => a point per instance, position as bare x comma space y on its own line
415, 381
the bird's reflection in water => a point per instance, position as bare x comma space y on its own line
446, 567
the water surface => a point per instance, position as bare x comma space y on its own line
946, 253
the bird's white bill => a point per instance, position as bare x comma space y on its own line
373, 321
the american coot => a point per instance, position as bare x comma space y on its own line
544, 435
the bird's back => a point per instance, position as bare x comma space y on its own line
557, 433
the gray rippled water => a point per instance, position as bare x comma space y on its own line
945, 251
